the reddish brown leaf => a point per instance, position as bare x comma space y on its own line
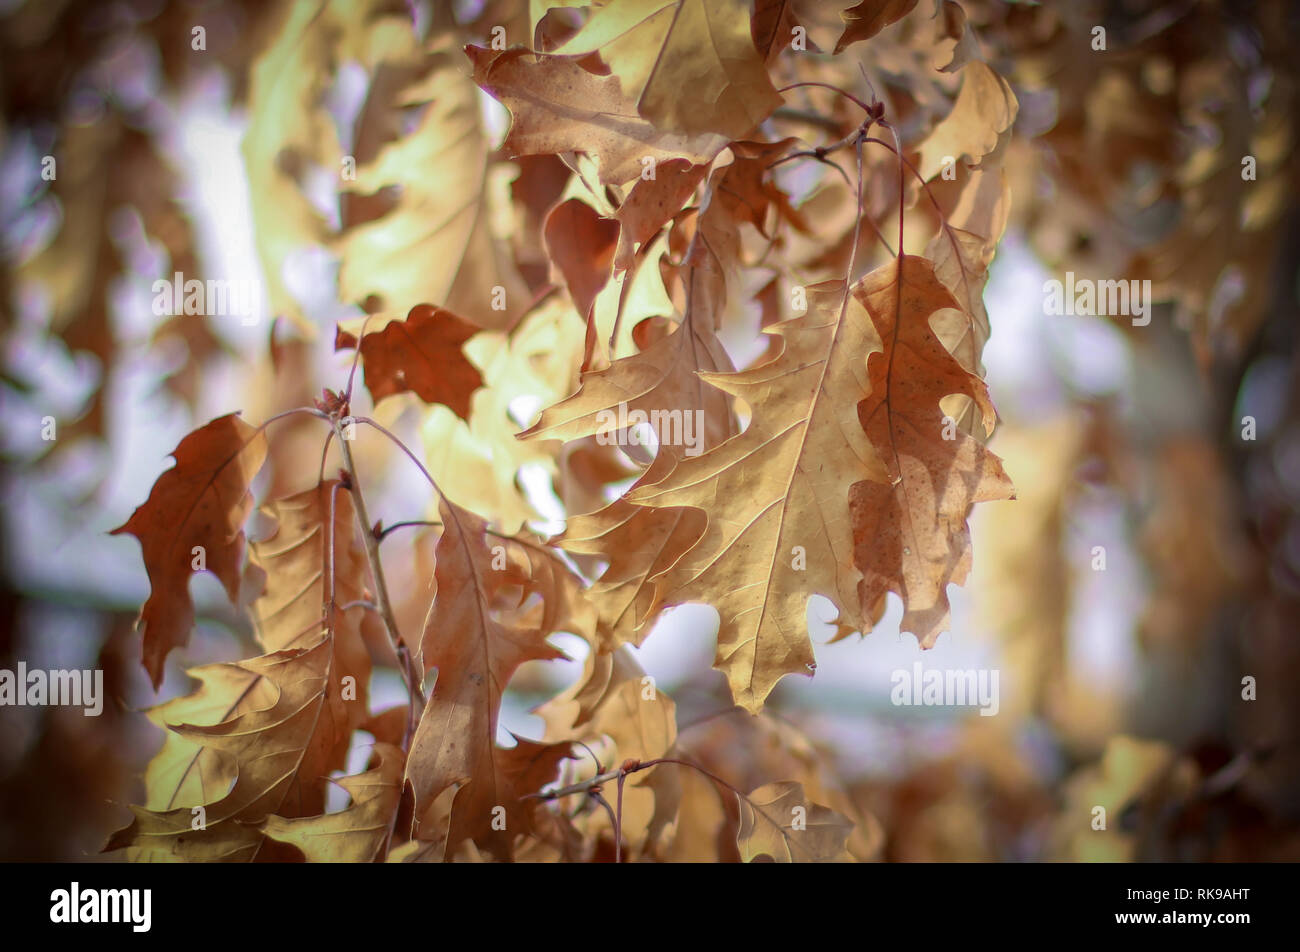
194, 517
420, 355
910, 533
581, 244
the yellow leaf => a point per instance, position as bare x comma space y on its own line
779, 822
982, 115
357, 833
690, 65
776, 498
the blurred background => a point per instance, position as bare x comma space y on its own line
1174, 447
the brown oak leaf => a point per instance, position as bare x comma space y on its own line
910, 528
421, 355
193, 520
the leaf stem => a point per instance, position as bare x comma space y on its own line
405, 665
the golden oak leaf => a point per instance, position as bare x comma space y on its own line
639, 544
690, 65
660, 384
961, 252
779, 822
864, 20
298, 558
289, 128
485, 621
194, 516
357, 833
186, 773
421, 355
776, 498
280, 764
435, 243
558, 106
961, 261
275, 726
910, 526
979, 121
688, 416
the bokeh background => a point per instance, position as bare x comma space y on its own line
1120, 687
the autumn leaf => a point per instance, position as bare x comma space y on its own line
652, 203
357, 833
481, 627
478, 461
864, 20
581, 244
436, 242
775, 497
659, 382
274, 726
777, 821
639, 545
278, 765
421, 355
910, 526
313, 559
193, 521
289, 131
981, 117
662, 383
690, 65
558, 106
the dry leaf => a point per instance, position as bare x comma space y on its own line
481, 627
689, 65
779, 822
357, 833
581, 244
776, 499
558, 106
980, 119
910, 527
866, 19
279, 765
420, 355
436, 243
193, 520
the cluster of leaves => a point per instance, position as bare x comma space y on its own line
841, 459
558, 276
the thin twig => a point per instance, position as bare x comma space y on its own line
406, 667
383, 533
